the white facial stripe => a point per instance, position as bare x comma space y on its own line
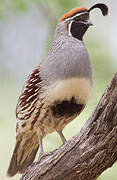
70, 18
70, 28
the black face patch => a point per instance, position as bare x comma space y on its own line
78, 29
66, 108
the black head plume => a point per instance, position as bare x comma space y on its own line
102, 7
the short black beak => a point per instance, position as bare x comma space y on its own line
89, 23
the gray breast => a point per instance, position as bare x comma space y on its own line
67, 58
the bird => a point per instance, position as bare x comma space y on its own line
56, 91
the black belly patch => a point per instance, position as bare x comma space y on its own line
66, 108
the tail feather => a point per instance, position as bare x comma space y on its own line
24, 153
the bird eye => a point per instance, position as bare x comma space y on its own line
82, 17
76, 18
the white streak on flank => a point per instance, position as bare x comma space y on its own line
28, 112
26, 86
31, 80
35, 80
40, 82
37, 74
34, 101
24, 107
30, 85
36, 89
22, 96
37, 84
35, 94
29, 98
32, 96
28, 78
30, 90
20, 102
28, 106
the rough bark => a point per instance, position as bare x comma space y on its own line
90, 152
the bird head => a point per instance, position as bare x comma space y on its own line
77, 21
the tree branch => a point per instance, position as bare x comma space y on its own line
90, 152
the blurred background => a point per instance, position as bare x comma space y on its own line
26, 32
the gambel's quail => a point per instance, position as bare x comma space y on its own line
56, 91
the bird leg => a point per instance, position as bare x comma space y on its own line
42, 154
40, 145
62, 136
